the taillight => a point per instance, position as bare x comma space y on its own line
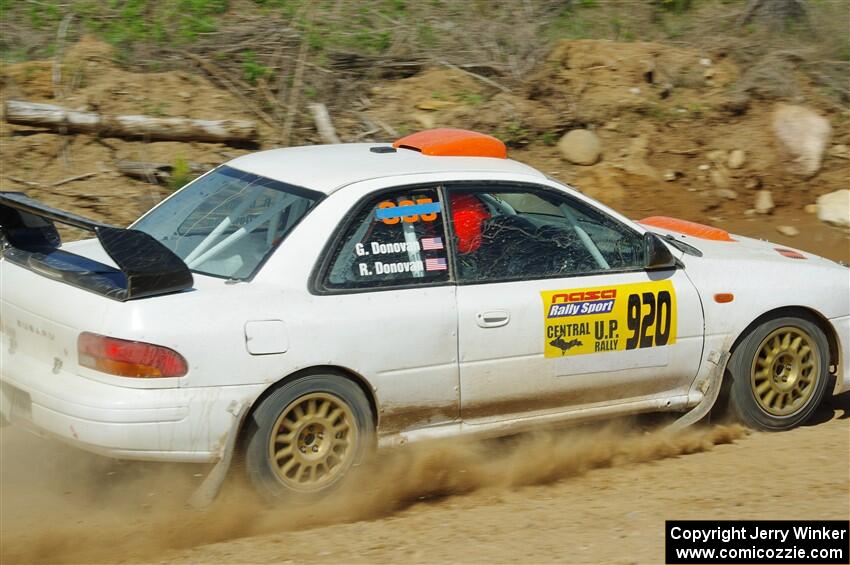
129, 358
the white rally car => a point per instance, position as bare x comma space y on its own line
302, 305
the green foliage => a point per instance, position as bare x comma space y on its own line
675, 6
514, 134
181, 173
570, 23
616, 27
251, 69
425, 35
316, 40
158, 109
470, 98
128, 22
549, 138
697, 110
842, 53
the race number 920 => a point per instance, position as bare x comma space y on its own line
648, 317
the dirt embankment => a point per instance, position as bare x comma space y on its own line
667, 120
32, 160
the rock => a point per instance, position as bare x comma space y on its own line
834, 208
764, 202
811, 208
670, 176
717, 156
704, 167
580, 146
790, 231
841, 151
752, 183
719, 178
634, 90
726, 193
705, 62
636, 154
736, 159
803, 134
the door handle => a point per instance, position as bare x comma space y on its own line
493, 318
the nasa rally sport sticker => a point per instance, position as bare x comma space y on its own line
608, 318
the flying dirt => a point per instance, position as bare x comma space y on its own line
430, 502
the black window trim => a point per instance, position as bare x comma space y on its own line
321, 268
485, 187
301, 191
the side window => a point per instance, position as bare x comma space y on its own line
505, 233
395, 239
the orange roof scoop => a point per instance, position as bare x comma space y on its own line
450, 142
693, 229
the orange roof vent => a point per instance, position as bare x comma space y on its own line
450, 142
693, 229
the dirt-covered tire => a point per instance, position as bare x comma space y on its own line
306, 436
779, 373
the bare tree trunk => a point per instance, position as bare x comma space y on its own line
156, 172
323, 123
174, 129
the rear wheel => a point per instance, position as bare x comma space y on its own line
307, 435
779, 374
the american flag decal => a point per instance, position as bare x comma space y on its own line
438, 264
432, 243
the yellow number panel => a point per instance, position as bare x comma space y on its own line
608, 318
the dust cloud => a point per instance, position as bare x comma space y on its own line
61, 505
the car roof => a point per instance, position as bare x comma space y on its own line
326, 168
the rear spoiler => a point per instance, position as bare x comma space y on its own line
145, 266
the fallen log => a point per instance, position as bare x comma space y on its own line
172, 129
156, 172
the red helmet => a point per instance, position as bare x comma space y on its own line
468, 213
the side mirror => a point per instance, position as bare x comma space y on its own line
657, 255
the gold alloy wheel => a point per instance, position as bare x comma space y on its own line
785, 371
313, 441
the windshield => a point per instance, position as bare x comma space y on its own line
227, 222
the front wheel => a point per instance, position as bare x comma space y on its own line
779, 374
306, 436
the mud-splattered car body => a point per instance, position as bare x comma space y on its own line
370, 262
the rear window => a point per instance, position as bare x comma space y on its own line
227, 222
397, 239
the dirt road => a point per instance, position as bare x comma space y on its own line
596, 495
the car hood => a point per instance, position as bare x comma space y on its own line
763, 275
747, 249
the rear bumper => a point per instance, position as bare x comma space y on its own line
842, 377
175, 424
